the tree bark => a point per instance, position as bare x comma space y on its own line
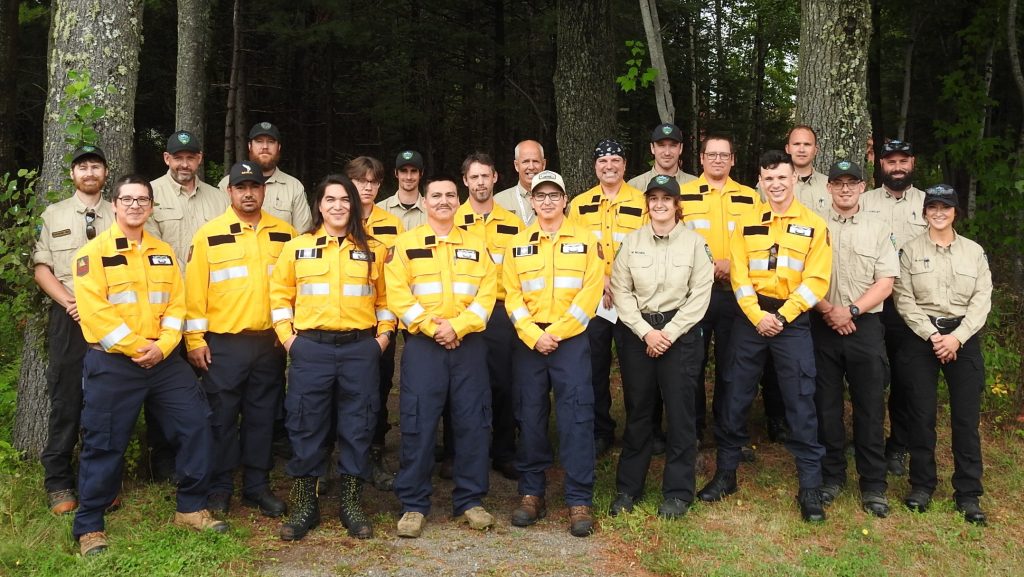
191, 86
1018, 77
584, 87
233, 85
8, 97
694, 99
908, 69
832, 86
875, 88
106, 44
662, 86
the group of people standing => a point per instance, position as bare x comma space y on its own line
197, 301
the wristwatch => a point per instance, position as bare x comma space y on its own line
782, 319
855, 312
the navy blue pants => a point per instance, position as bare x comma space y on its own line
65, 347
566, 372
246, 378
431, 375
114, 389
793, 352
500, 336
326, 378
602, 334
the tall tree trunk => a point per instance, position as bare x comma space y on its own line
875, 86
662, 86
757, 110
106, 44
908, 69
972, 183
8, 97
1018, 77
584, 87
719, 58
191, 85
694, 94
233, 84
832, 87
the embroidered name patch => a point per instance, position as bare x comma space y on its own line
467, 254
361, 255
160, 260
574, 248
61, 233
800, 230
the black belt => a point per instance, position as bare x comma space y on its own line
769, 304
946, 325
661, 318
336, 337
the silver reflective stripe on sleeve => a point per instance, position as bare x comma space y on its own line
197, 325
791, 263
159, 297
229, 273
618, 236
578, 314
357, 290
519, 314
568, 282
426, 288
385, 315
807, 295
478, 310
745, 291
533, 285
281, 314
758, 264
108, 342
316, 288
699, 224
497, 257
123, 298
172, 323
410, 315
464, 288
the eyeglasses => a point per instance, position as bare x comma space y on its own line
718, 155
552, 196
359, 182
90, 230
127, 201
897, 146
845, 185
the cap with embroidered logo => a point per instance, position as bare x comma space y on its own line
410, 158
547, 176
666, 131
666, 184
183, 141
264, 129
844, 168
245, 171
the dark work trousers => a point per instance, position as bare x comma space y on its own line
793, 351
965, 378
500, 336
674, 374
566, 373
115, 389
860, 359
162, 451
602, 334
432, 375
717, 323
245, 379
387, 379
66, 347
896, 333
332, 381
771, 394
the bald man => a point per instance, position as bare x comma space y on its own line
528, 162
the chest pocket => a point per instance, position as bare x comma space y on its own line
280, 203
628, 218
228, 269
528, 269
923, 280
865, 255
311, 279
358, 271
965, 279
739, 205
166, 213
677, 277
122, 289
161, 280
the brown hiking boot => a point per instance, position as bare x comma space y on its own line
530, 510
477, 517
62, 502
581, 521
92, 543
411, 524
200, 520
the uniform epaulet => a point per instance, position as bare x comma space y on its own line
235, 228
430, 240
321, 241
121, 243
535, 236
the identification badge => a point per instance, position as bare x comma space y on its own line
61, 233
361, 255
529, 250
307, 253
160, 260
800, 230
467, 254
574, 248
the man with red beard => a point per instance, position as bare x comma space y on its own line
897, 203
286, 197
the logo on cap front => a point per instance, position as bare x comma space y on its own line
88, 148
246, 168
183, 138
843, 165
407, 154
661, 179
666, 129
265, 125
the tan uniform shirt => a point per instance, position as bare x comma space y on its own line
641, 181
812, 192
177, 214
652, 274
903, 215
410, 217
952, 281
517, 201
63, 233
863, 251
285, 199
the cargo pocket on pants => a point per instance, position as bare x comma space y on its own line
96, 429
408, 419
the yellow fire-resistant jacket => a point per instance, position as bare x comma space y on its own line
609, 220
497, 231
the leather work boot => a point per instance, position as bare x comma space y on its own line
382, 478
411, 524
200, 520
623, 503
304, 507
92, 543
531, 509
812, 509
581, 521
477, 517
266, 501
722, 484
62, 502
351, 512
971, 510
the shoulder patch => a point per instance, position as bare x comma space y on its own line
82, 267
600, 251
391, 255
892, 239
190, 248
60, 233
574, 248
160, 260
467, 254
711, 257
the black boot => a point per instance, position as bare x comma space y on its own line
304, 507
722, 484
382, 478
352, 515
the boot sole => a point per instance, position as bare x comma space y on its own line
532, 521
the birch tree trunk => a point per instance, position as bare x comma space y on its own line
662, 87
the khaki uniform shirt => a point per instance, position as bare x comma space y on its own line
904, 215
653, 274
410, 217
63, 233
285, 199
863, 251
517, 201
177, 215
952, 281
641, 181
813, 193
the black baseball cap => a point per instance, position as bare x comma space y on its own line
844, 168
245, 171
666, 184
943, 193
410, 157
894, 146
264, 129
86, 151
183, 141
666, 130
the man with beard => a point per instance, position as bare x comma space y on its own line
899, 204
528, 162
286, 197
406, 203
67, 226
666, 147
802, 146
